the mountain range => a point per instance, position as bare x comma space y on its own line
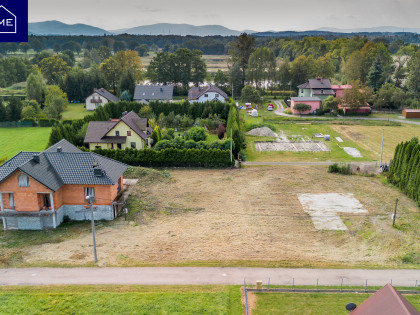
60, 28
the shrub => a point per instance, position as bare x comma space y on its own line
190, 144
221, 131
163, 144
301, 107
170, 157
196, 134
343, 169
288, 111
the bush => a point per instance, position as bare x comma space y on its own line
45, 122
196, 134
343, 169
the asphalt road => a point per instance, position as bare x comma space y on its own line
206, 275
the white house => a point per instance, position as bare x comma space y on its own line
203, 94
99, 97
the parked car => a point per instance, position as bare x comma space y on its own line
270, 107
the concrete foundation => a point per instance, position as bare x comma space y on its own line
49, 219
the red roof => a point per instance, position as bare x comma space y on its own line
341, 87
386, 301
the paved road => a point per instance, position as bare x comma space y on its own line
204, 275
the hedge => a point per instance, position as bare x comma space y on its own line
169, 157
404, 171
115, 110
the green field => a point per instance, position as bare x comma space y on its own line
75, 111
364, 135
312, 303
121, 300
14, 140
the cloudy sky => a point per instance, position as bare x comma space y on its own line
260, 15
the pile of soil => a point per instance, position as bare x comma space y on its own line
261, 132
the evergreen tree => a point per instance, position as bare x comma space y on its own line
127, 83
3, 111
14, 109
375, 75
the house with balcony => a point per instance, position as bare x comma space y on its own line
318, 87
99, 97
130, 131
39, 189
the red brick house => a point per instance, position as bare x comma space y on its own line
39, 189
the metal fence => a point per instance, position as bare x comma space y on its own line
15, 124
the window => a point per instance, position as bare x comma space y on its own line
97, 146
89, 192
206, 95
11, 200
128, 133
217, 95
117, 133
23, 180
133, 145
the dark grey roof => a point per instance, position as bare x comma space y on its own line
77, 168
304, 86
306, 99
8, 167
55, 169
65, 147
316, 84
97, 130
153, 92
195, 92
108, 95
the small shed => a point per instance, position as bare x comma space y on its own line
254, 113
411, 113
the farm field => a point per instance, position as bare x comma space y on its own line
121, 300
235, 217
311, 303
14, 140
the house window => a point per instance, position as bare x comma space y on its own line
117, 133
97, 147
133, 145
217, 95
11, 200
23, 180
206, 95
301, 90
128, 133
89, 192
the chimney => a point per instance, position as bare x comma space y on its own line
103, 90
59, 149
35, 158
94, 90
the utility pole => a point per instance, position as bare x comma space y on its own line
395, 213
231, 145
90, 198
382, 146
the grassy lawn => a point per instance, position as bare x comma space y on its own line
121, 300
75, 111
14, 140
312, 303
363, 135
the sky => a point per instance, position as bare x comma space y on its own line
260, 15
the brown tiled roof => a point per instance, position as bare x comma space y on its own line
386, 301
136, 123
97, 130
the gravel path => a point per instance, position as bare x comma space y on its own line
205, 275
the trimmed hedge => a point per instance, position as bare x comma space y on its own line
404, 171
170, 157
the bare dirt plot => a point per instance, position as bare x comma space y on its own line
249, 215
310, 146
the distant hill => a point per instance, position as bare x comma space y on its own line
60, 28
379, 29
179, 29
